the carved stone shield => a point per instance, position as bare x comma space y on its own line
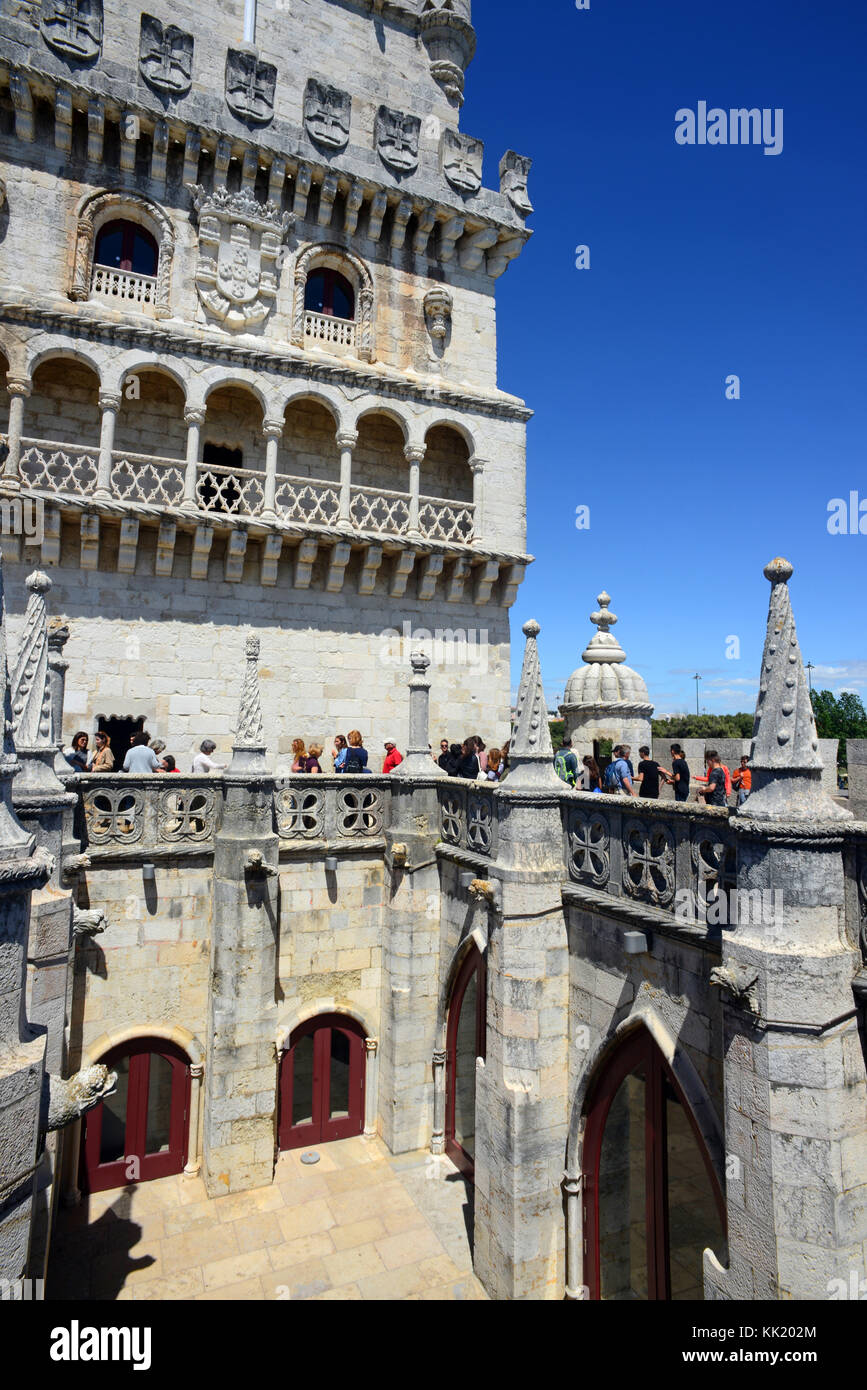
514, 173
165, 56
327, 113
461, 160
250, 86
396, 138
239, 245
73, 27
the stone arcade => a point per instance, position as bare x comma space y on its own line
236, 502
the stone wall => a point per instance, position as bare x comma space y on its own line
856, 758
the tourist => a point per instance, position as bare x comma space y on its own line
103, 758
203, 762
444, 756
480, 752
591, 777
312, 763
338, 752
76, 754
450, 762
742, 780
716, 780
679, 775
505, 752
158, 745
726, 774
648, 775
392, 757
300, 755
356, 754
566, 763
168, 764
140, 759
495, 762
618, 774
469, 766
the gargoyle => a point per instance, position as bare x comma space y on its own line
255, 862
64, 1101
87, 923
740, 982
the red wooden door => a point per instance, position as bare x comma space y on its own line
465, 1041
652, 1200
141, 1131
322, 1082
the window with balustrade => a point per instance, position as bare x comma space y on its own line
333, 302
123, 255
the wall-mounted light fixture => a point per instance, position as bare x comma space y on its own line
331, 864
635, 943
148, 873
467, 880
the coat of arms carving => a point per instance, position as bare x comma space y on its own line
461, 160
165, 56
73, 28
239, 254
396, 138
250, 86
327, 113
514, 173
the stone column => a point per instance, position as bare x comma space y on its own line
795, 1091
194, 418
414, 453
371, 1084
522, 1087
19, 390
575, 1289
438, 1137
109, 404
418, 761
194, 1157
272, 430
477, 467
58, 636
346, 442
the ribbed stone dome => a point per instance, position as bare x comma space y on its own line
605, 679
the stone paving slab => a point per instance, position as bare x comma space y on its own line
361, 1224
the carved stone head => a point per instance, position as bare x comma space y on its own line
165, 56
396, 138
438, 314
327, 113
514, 173
461, 160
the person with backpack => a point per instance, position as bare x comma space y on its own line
618, 774
356, 754
566, 763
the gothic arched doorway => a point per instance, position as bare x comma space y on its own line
465, 1042
652, 1199
322, 1082
141, 1131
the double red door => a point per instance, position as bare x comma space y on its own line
140, 1132
322, 1082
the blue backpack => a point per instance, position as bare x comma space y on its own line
611, 778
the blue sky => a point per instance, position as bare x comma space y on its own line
705, 261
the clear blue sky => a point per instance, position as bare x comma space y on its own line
704, 261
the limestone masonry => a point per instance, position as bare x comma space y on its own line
247, 276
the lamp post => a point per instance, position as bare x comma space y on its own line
696, 678
810, 668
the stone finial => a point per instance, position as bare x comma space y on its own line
15, 843
784, 759
418, 761
602, 646
531, 755
248, 750
32, 695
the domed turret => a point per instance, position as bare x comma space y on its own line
605, 698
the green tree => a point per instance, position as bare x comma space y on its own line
839, 716
706, 726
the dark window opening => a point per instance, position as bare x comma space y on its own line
224, 495
126, 246
465, 1042
328, 292
120, 731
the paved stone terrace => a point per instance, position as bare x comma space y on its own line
360, 1224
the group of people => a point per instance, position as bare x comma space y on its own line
620, 778
347, 755
472, 760
142, 755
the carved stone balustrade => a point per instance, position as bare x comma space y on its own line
467, 816
328, 330
124, 289
340, 813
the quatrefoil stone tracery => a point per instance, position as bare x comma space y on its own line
360, 812
589, 857
299, 814
648, 862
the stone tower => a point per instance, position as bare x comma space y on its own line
250, 358
605, 698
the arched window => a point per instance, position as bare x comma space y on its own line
322, 1082
329, 292
140, 1132
126, 246
465, 1042
652, 1200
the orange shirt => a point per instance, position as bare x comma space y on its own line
743, 779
